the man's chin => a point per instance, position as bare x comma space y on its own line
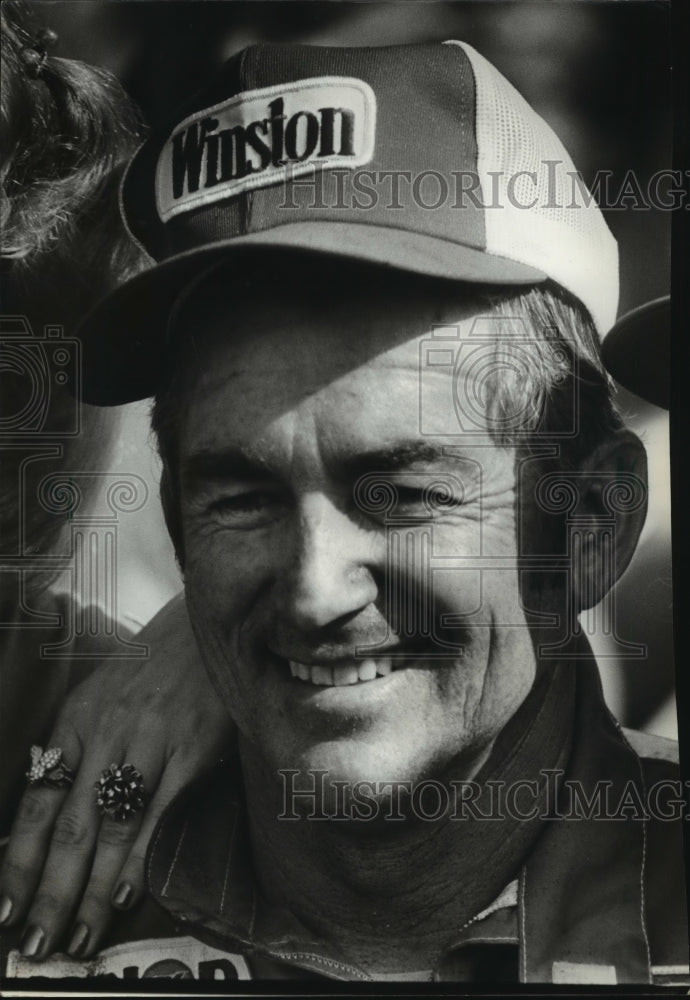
351, 777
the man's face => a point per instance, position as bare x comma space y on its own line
319, 520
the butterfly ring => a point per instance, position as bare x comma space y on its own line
48, 768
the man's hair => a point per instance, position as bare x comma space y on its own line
547, 375
66, 133
530, 383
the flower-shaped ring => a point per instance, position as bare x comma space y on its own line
120, 791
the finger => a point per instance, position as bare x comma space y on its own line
67, 866
31, 834
115, 842
129, 888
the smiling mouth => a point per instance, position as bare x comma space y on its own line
340, 675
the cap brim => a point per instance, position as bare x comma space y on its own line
124, 336
637, 351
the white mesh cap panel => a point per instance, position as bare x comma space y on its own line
562, 232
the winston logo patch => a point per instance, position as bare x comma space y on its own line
260, 137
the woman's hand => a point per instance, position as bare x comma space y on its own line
65, 867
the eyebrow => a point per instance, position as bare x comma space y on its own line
234, 463
400, 456
217, 464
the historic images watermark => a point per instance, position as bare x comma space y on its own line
551, 189
314, 795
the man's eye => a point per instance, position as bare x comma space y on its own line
434, 499
250, 509
423, 501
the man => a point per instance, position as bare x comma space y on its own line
393, 476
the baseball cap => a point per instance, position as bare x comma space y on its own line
637, 351
422, 158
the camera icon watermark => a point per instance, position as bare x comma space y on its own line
35, 369
495, 353
61, 519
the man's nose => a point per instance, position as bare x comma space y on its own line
329, 572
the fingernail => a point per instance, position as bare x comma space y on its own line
31, 942
5, 909
122, 894
79, 940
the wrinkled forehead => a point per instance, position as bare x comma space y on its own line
312, 328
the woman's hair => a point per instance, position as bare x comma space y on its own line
66, 129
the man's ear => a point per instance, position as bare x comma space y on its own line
609, 516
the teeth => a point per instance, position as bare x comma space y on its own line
345, 675
339, 676
384, 665
322, 675
366, 671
